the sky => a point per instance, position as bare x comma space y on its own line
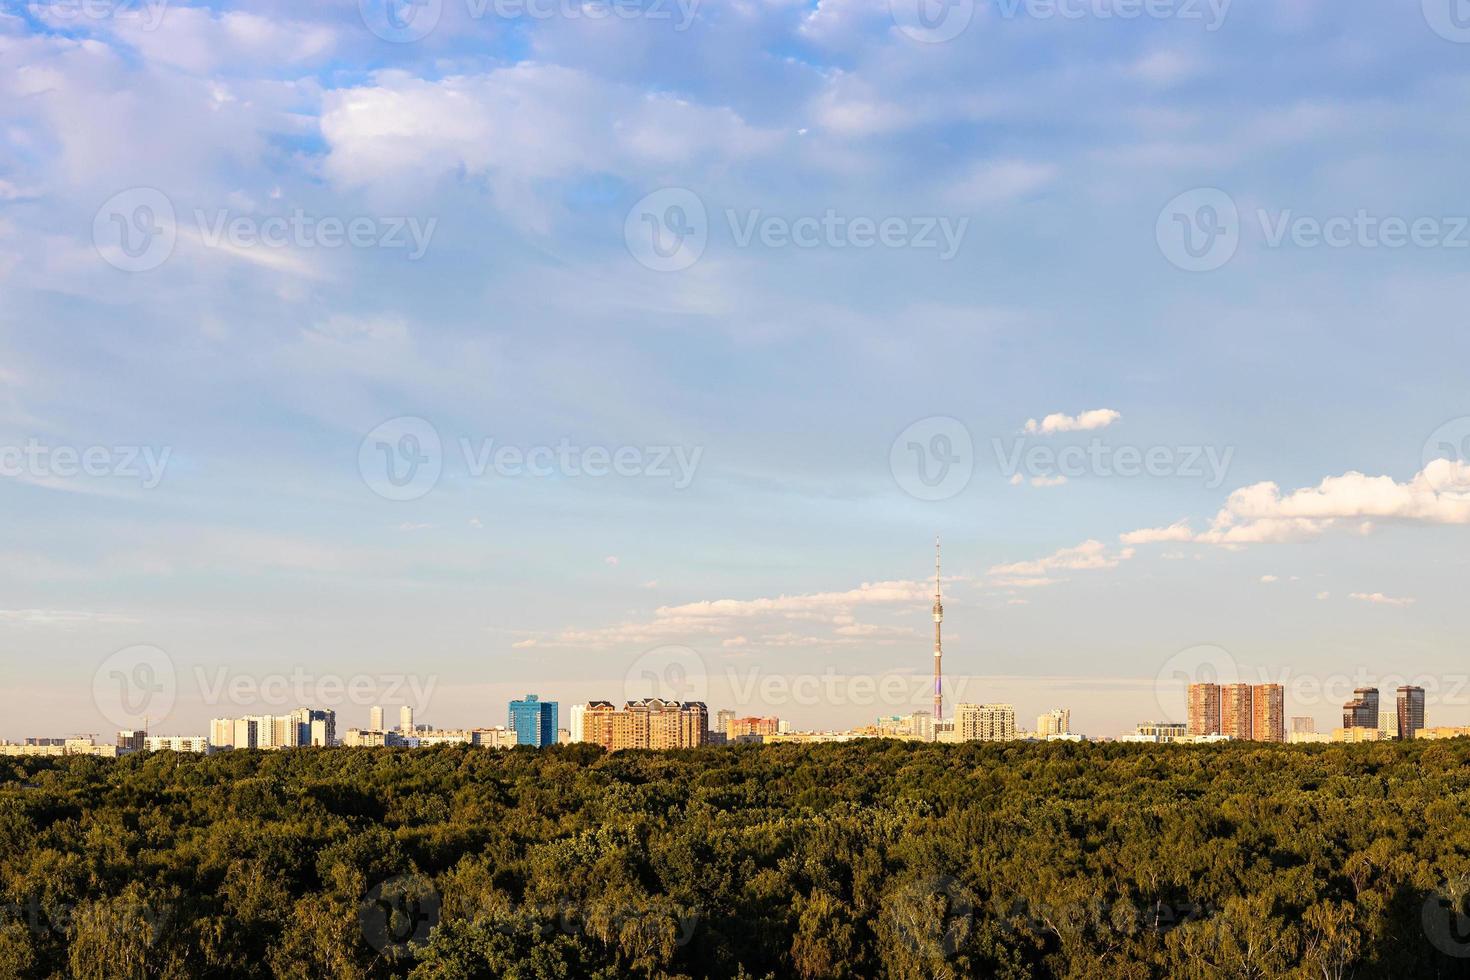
441, 352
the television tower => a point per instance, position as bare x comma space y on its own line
938, 644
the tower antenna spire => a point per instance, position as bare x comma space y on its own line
938, 641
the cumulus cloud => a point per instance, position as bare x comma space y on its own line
1097, 418
201, 41
1262, 513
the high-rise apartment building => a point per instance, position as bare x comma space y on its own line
1410, 711
1362, 710
576, 730
1268, 713
723, 717
1303, 725
323, 729
985, 722
405, 719
1235, 710
1057, 721
651, 723
534, 721
375, 718
921, 726
1204, 709
246, 734
303, 726
132, 739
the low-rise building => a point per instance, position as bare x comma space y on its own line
1444, 731
1359, 733
1157, 731
79, 745
198, 744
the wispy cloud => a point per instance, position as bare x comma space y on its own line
1379, 599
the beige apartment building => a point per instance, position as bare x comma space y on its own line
651, 723
985, 722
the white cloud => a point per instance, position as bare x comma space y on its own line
1262, 513
611, 560
1018, 479
63, 618
519, 129
1268, 579
828, 619
1378, 598
1002, 181
200, 41
1097, 418
1164, 67
1178, 531
1090, 555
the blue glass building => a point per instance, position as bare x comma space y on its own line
534, 721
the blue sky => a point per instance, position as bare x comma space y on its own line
504, 173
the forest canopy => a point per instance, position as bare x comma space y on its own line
866, 859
